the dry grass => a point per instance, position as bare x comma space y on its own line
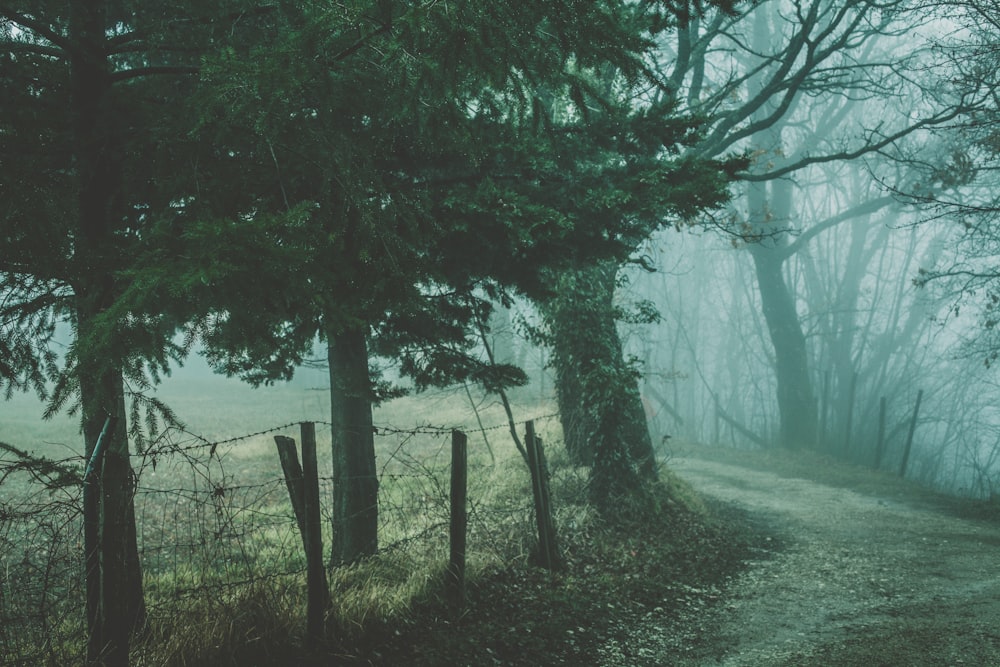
225, 571
221, 552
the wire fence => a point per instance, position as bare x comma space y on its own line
214, 517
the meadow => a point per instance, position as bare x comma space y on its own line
222, 558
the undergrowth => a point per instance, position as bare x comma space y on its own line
651, 563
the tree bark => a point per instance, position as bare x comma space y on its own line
604, 424
355, 482
573, 414
115, 607
796, 405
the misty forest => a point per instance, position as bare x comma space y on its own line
445, 332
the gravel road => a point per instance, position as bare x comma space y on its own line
848, 579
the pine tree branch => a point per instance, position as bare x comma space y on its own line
118, 43
37, 49
52, 474
138, 72
358, 45
38, 27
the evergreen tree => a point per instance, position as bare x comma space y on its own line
387, 164
87, 99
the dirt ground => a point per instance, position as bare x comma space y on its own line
845, 578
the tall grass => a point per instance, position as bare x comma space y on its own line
222, 558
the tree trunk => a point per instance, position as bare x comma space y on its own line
771, 218
115, 606
604, 423
355, 482
796, 405
501, 335
770, 208
577, 424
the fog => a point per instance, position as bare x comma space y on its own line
827, 286
824, 288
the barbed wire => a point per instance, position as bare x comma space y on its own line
156, 448
221, 527
377, 429
205, 443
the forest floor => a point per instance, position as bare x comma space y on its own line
857, 568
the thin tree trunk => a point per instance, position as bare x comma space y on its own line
355, 481
115, 605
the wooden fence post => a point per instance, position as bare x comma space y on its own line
293, 478
824, 407
716, 433
303, 490
548, 550
909, 436
880, 442
319, 592
850, 414
455, 578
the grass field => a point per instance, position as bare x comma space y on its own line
217, 534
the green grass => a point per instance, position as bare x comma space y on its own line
216, 528
223, 561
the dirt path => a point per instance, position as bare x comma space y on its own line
851, 579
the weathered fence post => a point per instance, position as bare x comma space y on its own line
455, 579
880, 442
909, 436
548, 550
824, 407
293, 477
303, 490
716, 433
319, 592
850, 414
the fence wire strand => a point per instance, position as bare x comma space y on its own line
212, 518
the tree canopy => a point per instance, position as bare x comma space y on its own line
255, 175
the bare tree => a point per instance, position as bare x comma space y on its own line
803, 86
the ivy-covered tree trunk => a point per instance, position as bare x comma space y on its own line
577, 424
355, 482
603, 420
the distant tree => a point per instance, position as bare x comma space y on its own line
959, 184
790, 86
